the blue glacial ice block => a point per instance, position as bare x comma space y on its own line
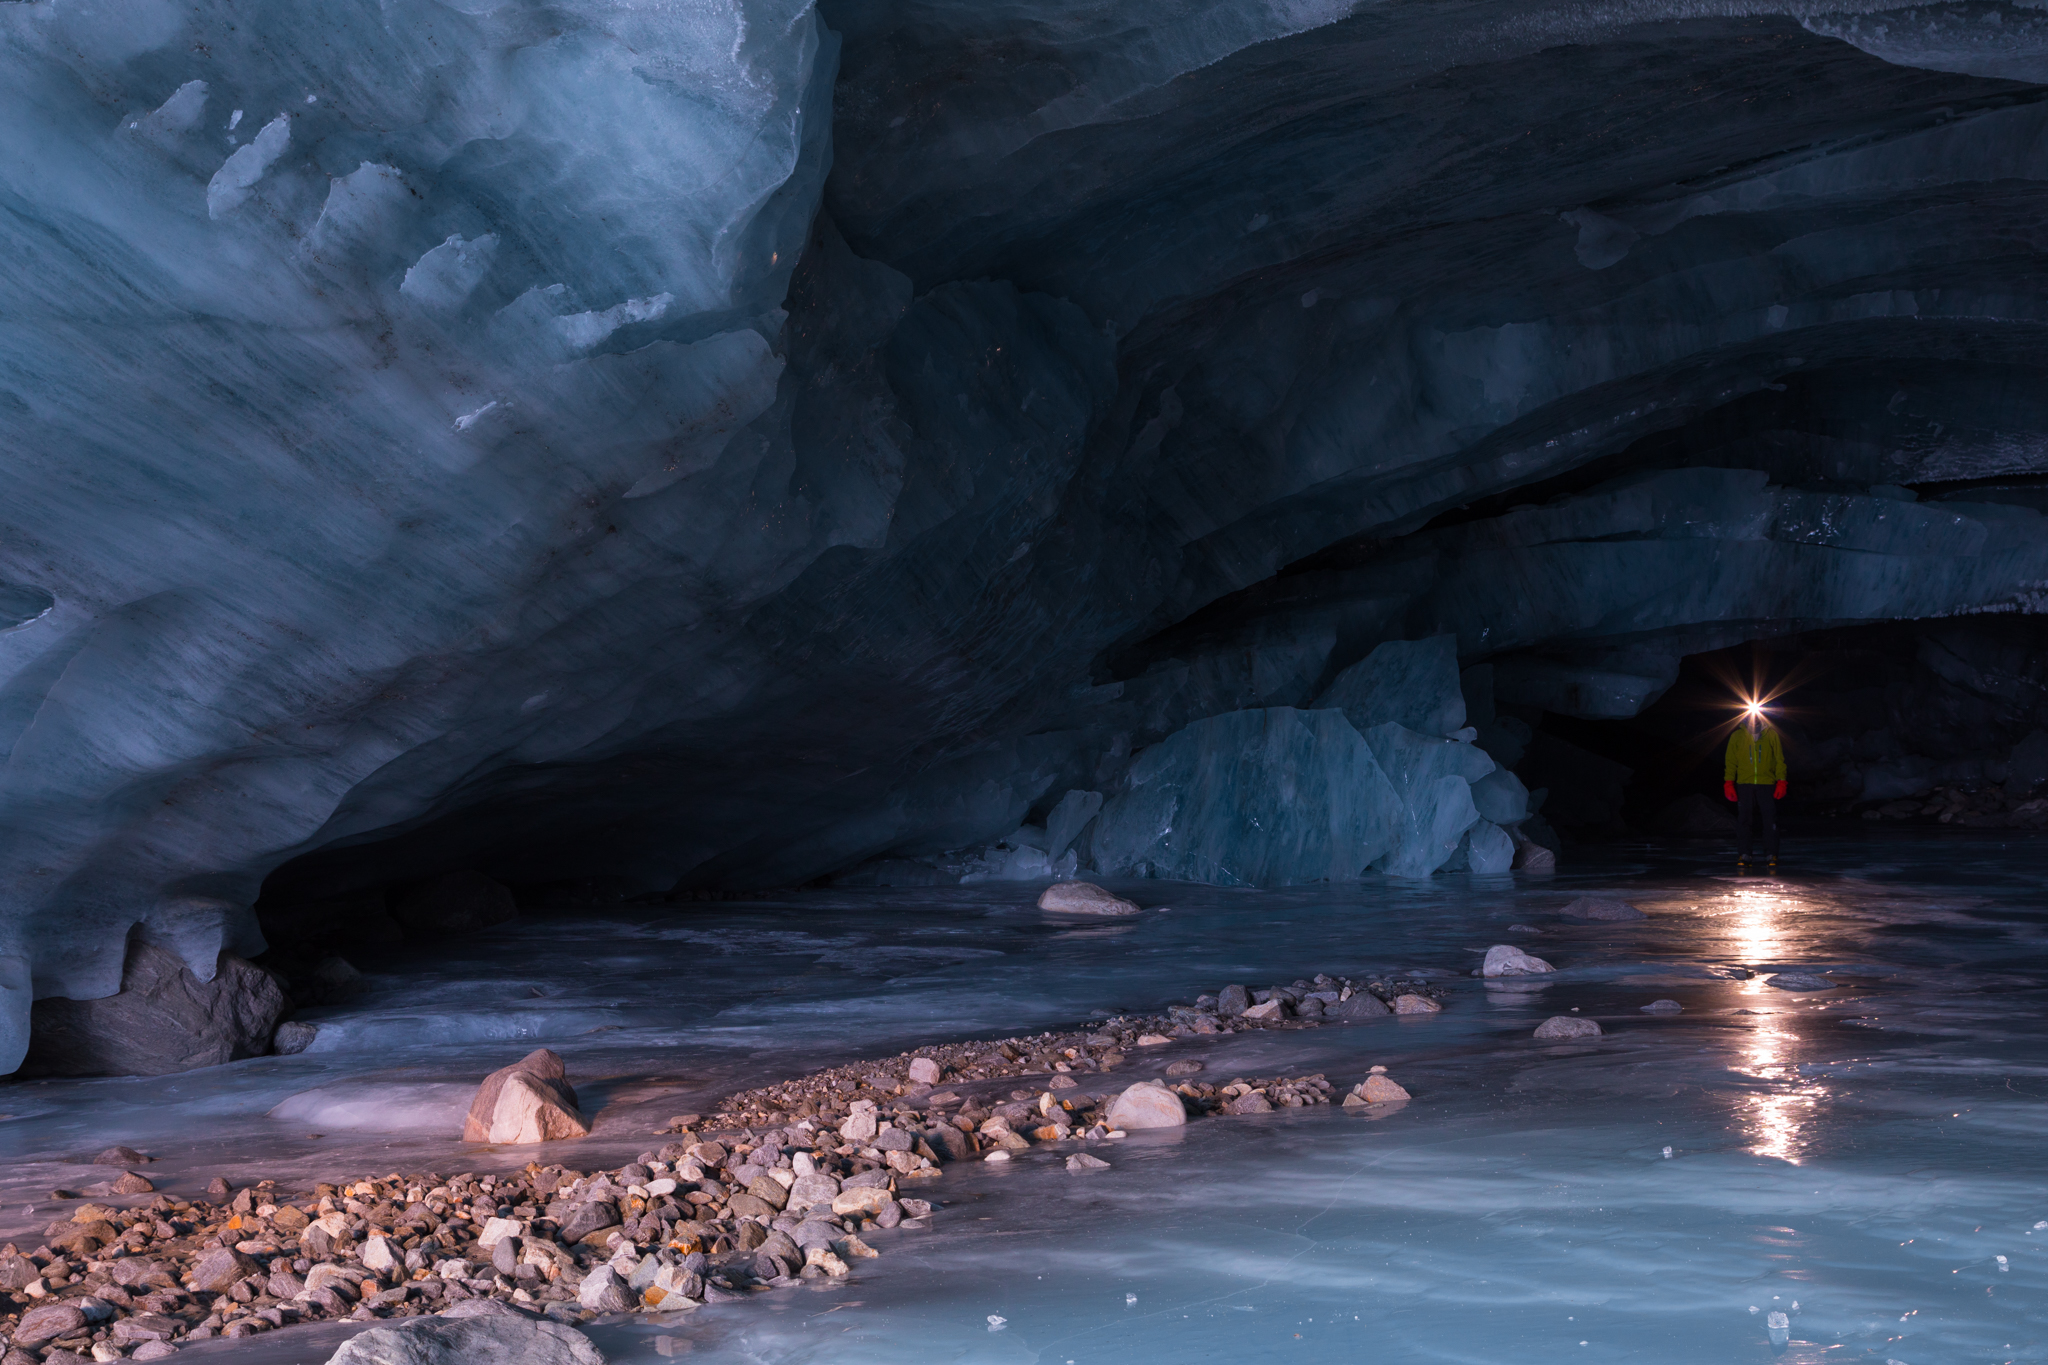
1433, 779
1271, 797
1409, 682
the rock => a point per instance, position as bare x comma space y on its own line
120, 1156
528, 1101
1153, 1040
1800, 981
47, 1323
1362, 1005
925, 1071
865, 1200
602, 1291
216, 1270
147, 1327
861, 1125
578, 1221
1271, 1009
820, 1188
218, 1187
1504, 959
153, 1350
1566, 1026
378, 1255
140, 1272
496, 1230
1381, 1090
128, 1182
1083, 898
1416, 1004
1531, 856
1663, 1007
332, 980
164, 1019
1187, 1068
1233, 1000
454, 903
1081, 1161
1254, 1102
1601, 908
774, 1193
1146, 1105
293, 1037
507, 1338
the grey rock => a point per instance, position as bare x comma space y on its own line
119, 1156
47, 1323
1567, 1026
1601, 908
893, 1140
1801, 981
815, 1234
602, 1291
1083, 898
293, 1036
1504, 959
1254, 1102
1233, 1000
1187, 1068
1361, 1005
164, 1019
1663, 1007
819, 1189
1311, 1008
578, 1221
878, 1179
218, 1269
1082, 1162
454, 903
489, 1338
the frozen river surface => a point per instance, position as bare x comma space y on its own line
1866, 1160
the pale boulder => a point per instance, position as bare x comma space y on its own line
544, 1073
1147, 1105
530, 1110
1504, 959
1083, 898
1565, 1026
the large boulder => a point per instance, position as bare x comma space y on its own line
163, 1019
528, 1101
1147, 1105
487, 1339
1505, 959
1083, 898
455, 903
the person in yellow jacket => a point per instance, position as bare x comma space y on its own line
1753, 777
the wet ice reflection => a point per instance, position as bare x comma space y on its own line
1777, 1118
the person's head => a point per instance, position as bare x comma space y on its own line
1753, 716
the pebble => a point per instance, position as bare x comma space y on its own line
1663, 1007
1416, 1004
1564, 1026
1081, 1161
1187, 1068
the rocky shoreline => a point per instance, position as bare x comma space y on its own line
776, 1187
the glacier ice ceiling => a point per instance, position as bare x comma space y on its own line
737, 444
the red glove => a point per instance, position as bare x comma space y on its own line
1728, 790
1778, 792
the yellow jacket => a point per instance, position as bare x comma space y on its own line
1760, 760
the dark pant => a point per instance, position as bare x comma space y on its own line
1754, 802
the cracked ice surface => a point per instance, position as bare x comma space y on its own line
1864, 1153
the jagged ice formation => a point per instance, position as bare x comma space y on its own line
738, 444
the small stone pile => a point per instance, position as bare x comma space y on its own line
702, 1222
827, 1096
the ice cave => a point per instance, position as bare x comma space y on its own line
1378, 668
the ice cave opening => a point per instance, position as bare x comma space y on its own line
801, 681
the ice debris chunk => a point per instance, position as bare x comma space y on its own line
1268, 797
1432, 779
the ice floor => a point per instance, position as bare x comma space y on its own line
1859, 1160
